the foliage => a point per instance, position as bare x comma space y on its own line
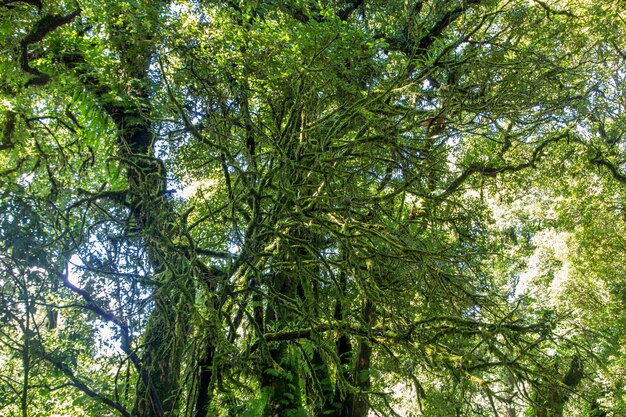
268, 208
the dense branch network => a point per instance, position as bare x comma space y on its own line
336, 241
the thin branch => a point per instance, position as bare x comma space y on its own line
85, 388
125, 345
118, 196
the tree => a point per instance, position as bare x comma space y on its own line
284, 208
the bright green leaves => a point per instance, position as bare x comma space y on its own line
321, 159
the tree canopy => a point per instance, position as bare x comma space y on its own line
329, 208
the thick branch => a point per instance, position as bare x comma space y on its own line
42, 28
551, 10
475, 326
617, 175
7, 131
412, 48
346, 12
491, 171
446, 20
376, 333
304, 16
9, 4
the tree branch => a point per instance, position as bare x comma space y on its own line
492, 171
551, 10
7, 131
615, 173
42, 28
67, 371
93, 306
446, 20
412, 48
9, 4
304, 16
118, 196
378, 333
346, 12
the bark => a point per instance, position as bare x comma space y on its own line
357, 403
281, 376
551, 399
205, 368
156, 219
343, 348
206, 374
279, 372
52, 313
26, 353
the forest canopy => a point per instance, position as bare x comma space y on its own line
340, 208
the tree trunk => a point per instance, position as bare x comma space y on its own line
551, 399
156, 219
359, 406
279, 372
